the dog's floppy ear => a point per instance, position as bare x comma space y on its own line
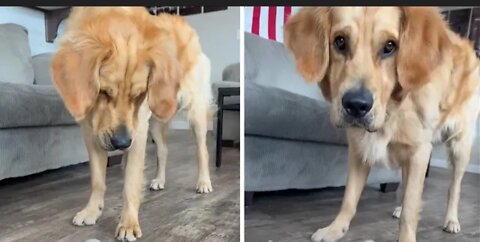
306, 35
164, 82
423, 39
326, 88
75, 73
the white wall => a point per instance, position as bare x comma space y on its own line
33, 21
219, 36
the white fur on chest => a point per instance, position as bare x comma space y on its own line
372, 149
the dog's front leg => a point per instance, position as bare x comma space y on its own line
129, 228
357, 177
412, 198
98, 167
398, 210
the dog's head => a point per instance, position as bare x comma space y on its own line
108, 64
366, 59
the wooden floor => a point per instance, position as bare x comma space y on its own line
295, 215
41, 207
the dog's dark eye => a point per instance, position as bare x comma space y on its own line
138, 96
340, 43
388, 49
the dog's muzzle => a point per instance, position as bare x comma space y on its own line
121, 139
357, 104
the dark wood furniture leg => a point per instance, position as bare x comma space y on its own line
389, 187
249, 198
53, 19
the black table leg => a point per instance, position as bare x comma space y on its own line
389, 187
249, 198
218, 158
428, 167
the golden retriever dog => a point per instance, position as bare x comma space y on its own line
397, 79
114, 68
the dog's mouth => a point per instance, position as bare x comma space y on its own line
367, 128
365, 123
104, 142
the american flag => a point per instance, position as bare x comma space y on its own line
267, 22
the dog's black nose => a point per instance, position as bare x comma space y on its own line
357, 102
121, 139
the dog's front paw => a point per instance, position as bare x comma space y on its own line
128, 230
204, 186
157, 184
397, 212
451, 226
88, 216
329, 234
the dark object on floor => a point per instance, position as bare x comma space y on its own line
114, 160
222, 93
389, 187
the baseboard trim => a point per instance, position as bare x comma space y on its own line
179, 124
473, 168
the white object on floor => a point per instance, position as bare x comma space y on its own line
93, 240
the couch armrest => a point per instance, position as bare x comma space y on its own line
231, 73
41, 67
269, 63
29, 105
276, 113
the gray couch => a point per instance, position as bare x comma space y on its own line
36, 131
289, 140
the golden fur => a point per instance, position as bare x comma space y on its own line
117, 66
426, 91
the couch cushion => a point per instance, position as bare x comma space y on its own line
41, 66
31, 106
270, 64
273, 112
15, 55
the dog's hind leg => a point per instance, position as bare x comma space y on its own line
459, 148
159, 133
199, 122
